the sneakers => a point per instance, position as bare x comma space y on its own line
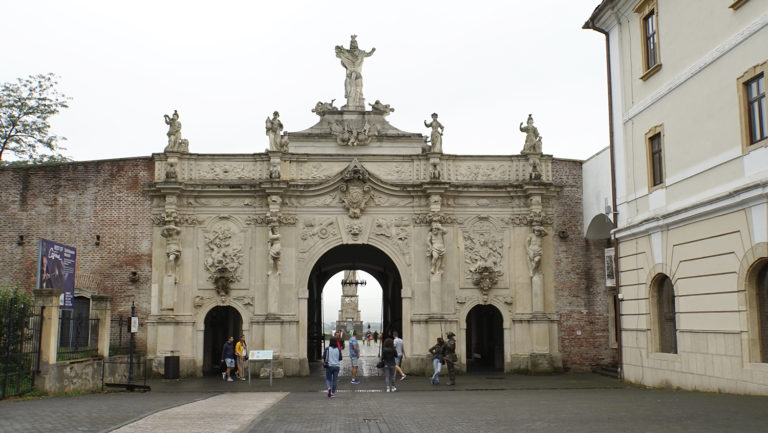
394, 389
329, 393
223, 376
242, 378
229, 379
332, 395
403, 378
388, 389
354, 381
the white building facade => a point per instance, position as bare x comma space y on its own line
690, 156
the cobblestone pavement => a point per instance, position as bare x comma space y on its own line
531, 411
491, 403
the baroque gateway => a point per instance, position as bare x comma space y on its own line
488, 247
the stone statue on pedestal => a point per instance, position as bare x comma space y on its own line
532, 137
274, 128
436, 247
437, 134
274, 249
352, 61
175, 142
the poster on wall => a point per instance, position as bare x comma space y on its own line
56, 270
610, 270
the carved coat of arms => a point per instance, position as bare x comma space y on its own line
355, 191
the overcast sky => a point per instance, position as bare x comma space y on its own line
369, 298
225, 66
483, 66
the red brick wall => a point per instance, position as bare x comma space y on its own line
581, 298
72, 203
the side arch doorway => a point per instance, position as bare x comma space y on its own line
485, 340
220, 324
352, 257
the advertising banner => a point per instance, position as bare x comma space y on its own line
56, 270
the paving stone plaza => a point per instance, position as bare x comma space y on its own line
579, 403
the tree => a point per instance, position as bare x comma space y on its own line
25, 108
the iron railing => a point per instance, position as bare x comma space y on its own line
78, 338
20, 327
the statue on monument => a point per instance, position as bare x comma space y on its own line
378, 107
436, 247
535, 250
352, 61
532, 137
274, 249
175, 142
321, 108
437, 134
274, 128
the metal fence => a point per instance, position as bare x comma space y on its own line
78, 338
119, 336
20, 327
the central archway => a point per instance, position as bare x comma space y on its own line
347, 257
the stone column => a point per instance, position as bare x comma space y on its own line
49, 335
101, 309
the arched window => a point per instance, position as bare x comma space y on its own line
761, 286
664, 323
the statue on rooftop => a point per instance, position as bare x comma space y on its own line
352, 60
532, 137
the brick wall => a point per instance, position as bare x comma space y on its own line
72, 203
581, 298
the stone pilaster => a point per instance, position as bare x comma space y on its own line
101, 309
49, 335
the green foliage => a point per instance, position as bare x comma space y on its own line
14, 307
25, 107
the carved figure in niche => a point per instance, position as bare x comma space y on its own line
352, 61
535, 172
532, 137
436, 245
434, 171
274, 128
378, 107
534, 250
170, 171
274, 171
274, 249
436, 137
321, 108
175, 143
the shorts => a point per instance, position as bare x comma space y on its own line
398, 359
353, 361
230, 362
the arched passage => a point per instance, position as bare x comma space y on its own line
485, 339
347, 257
220, 324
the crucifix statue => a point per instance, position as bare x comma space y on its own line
352, 60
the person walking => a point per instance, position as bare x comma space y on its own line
375, 337
437, 360
228, 357
368, 336
354, 355
388, 355
449, 355
332, 359
398, 342
241, 353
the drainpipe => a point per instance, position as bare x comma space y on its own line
590, 25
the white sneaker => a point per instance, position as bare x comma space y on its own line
403, 378
387, 389
230, 380
223, 376
394, 389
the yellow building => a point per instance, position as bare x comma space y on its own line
689, 123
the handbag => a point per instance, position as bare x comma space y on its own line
325, 358
380, 364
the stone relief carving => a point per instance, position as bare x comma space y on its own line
428, 218
535, 173
274, 127
172, 248
401, 172
317, 171
436, 136
436, 247
199, 301
383, 109
532, 137
266, 219
175, 142
222, 258
321, 108
388, 200
536, 218
314, 229
170, 172
226, 171
355, 191
352, 60
483, 251
355, 229
244, 300
397, 230
481, 171
274, 170
349, 133
174, 217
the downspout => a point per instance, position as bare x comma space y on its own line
614, 213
